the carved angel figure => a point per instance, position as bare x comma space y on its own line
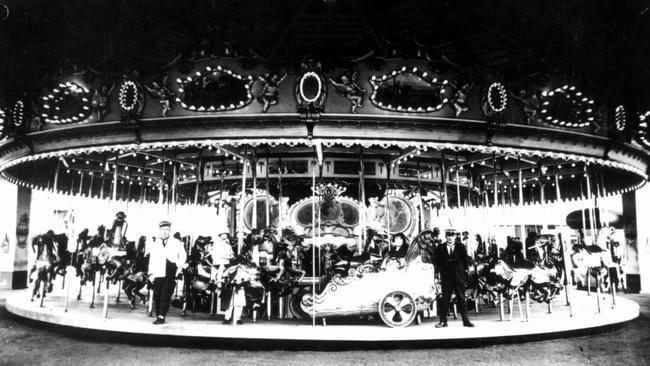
349, 88
163, 93
99, 100
530, 104
268, 95
460, 98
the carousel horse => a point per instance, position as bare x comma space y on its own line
243, 279
242, 282
197, 277
94, 259
135, 276
281, 277
547, 276
82, 244
476, 286
115, 266
618, 272
591, 260
503, 279
43, 246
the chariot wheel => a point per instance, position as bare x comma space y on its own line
397, 309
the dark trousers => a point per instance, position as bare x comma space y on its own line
163, 288
447, 289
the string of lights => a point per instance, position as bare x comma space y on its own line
568, 100
434, 82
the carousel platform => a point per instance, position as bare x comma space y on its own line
199, 329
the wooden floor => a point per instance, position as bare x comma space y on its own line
122, 319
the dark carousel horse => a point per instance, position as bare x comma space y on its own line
135, 276
281, 275
476, 286
92, 261
51, 258
547, 275
198, 285
501, 278
618, 272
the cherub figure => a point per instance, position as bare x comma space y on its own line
460, 98
99, 100
268, 96
163, 93
349, 88
530, 104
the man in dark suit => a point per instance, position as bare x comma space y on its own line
451, 264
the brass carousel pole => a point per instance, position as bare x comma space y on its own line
421, 223
494, 172
254, 177
128, 192
594, 228
387, 207
566, 278
431, 207
142, 184
240, 239
470, 185
542, 202
591, 200
313, 241
115, 177
362, 196
223, 172
161, 194
280, 208
457, 183
81, 181
520, 184
199, 176
268, 190
582, 212
318, 218
174, 185
584, 232
542, 198
90, 186
55, 186
443, 174
113, 198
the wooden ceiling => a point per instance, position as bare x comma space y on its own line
602, 46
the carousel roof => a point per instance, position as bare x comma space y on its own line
412, 89
602, 47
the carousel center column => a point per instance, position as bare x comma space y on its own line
14, 237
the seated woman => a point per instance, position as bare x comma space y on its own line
399, 246
376, 246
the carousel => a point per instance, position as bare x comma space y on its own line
310, 197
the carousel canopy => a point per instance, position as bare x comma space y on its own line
464, 104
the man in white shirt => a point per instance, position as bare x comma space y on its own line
166, 261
